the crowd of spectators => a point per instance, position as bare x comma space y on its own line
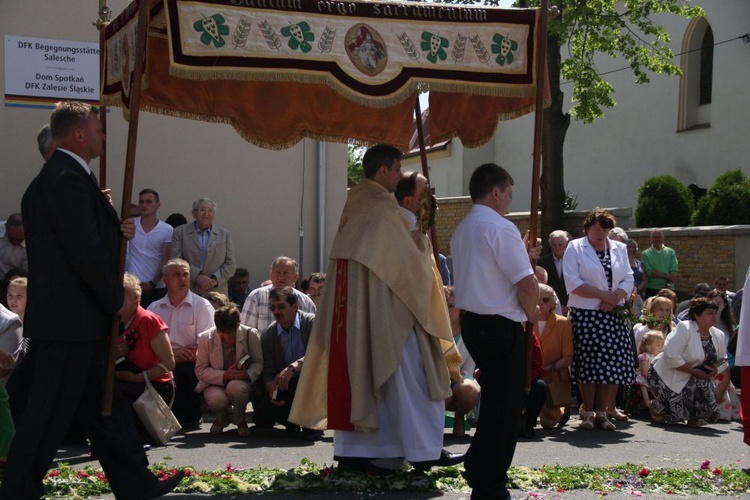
610, 332
673, 361
583, 339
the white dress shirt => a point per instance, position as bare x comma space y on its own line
488, 260
410, 216
186, 320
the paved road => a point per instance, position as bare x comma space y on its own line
636, 441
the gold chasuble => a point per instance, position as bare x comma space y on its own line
382, 281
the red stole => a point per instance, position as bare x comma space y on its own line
339, 388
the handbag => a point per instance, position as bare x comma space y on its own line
558, 394
155, 414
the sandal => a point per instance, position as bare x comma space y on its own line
587, 420
602, 422
617, 414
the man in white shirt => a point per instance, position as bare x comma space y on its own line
187, 315
284, 272
150, 249
408, 195
496, 288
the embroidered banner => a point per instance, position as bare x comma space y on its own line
375, 53
319, 69
121, 36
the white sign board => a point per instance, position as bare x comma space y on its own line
43, 70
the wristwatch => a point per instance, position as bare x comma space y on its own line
291, 368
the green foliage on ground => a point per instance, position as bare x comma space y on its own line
663, 201
704, 478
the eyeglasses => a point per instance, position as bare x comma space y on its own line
545, 299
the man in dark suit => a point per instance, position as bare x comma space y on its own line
284, 343
552, 263
72, 238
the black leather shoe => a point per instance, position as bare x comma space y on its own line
165, 486
311, 435
292, 429
564, 419
525, 430
490, 494
353, 464
362, 465
446, 459
195, 425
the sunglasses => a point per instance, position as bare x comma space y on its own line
545, 299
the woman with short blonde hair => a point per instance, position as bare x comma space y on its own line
144, 348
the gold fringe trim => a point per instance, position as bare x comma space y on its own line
510, 115
403, 93
115, 100
276, 146
297, 77
110, 100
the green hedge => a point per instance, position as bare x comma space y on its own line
727, 202
663, 201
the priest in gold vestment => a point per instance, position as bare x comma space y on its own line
377, 364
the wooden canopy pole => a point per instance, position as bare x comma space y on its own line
101, 23
425, 171
541, 72
127, 188
541, 75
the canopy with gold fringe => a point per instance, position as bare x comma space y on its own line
282, 70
